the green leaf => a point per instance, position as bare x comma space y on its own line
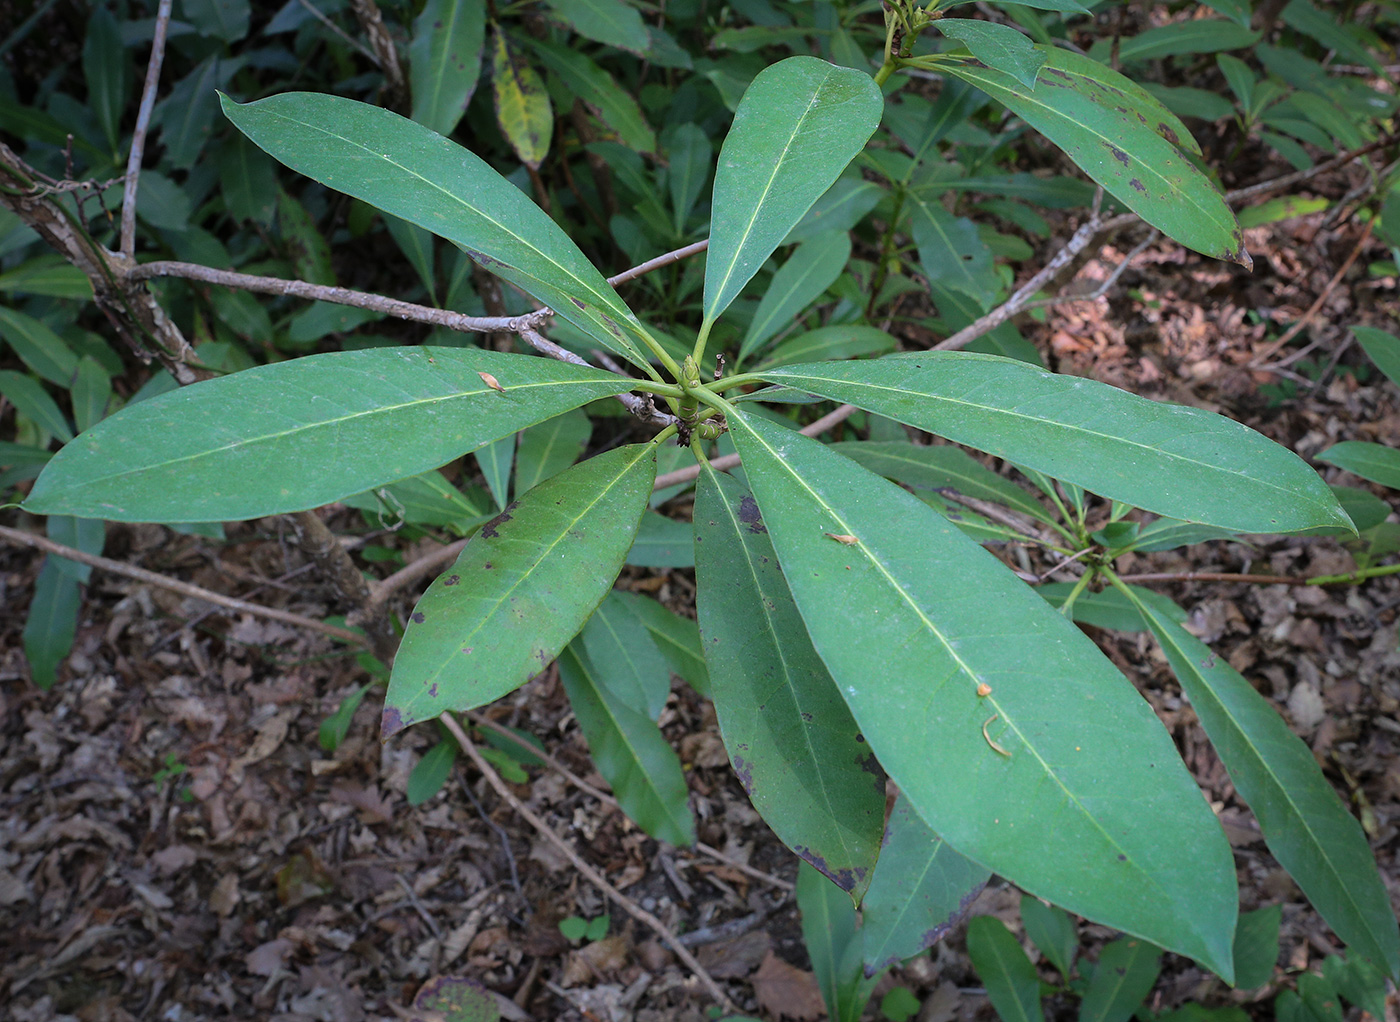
1256, 946
1324, 29
941, 467
1064, 6
921, 889
1376, 462
49, 275
247, 181
832, 342
549, 448
1357, 980
840, 208
38, 347
523, 109
605, 21
573, 928
223, 19
33, 402
86, 534
188, 115
809, 271
1382, 348
630, 752
91, 393
677, 637
1001, 46
1086, 764
899, 1005
1236, 10
1077, 106
1006, 972
308, 248
833, 944
425, 499
952, 253
407, 170
417, 246
663, 543
52, 623
444, 61
1168, 533
794, 745
1123, 977
469, 644
1305, 824
1051, 930
800, 122
335, 727
612, 104
105, 69
1320, 1000
628, 663
303, 433
431, 772
496, 460
1176, 461
1110, 608
1200, 35
691, 156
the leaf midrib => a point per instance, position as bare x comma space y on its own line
1165, 635
1024, 417
952, 653
323, 424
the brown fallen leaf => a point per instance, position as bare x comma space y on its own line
786, 991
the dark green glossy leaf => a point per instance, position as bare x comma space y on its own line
1256, 947
91, 393
1051, 930
631, 754
52, 623
691, 157
49, 275
840, 208
496, 460
1382, 348
426, 499
1320, 1000
335, 727
444, 61
809, 271
1358, 981
1117, 138
549, 448
1322, 28
32, 401
1006, 972
86, 534
1177, 461
431, 772
663, 543
105, 69
521, 589
1168, 534
1197, 36
677, 637
606, 21
1305, 824
189, 114
417, 246
940, 467
628, 663
613, 104
793, 743
223, 19
921, 889
1375, 462
848, 340
952, 253
1079, 760
407, 170
303, 433
833, 944
1000, 46
247, 180
1110, 608
38, 347
1123, 977
800, 122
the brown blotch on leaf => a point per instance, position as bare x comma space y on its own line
452, 580
580, 304
1166, 132
750, 515
488, 530
417, 617
846, 879
1137, 185
743, 770
390, 722
1118, 154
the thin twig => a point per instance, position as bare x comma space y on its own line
143, 123
602, 796
500, 833
21, 538
1316, 306
673, 256
340, 296
592, 875
1102, 289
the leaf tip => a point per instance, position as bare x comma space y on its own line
390, 723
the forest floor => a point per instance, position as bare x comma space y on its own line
175, 845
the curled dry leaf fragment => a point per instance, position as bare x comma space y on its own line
491, 382
983, 690
848, 540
